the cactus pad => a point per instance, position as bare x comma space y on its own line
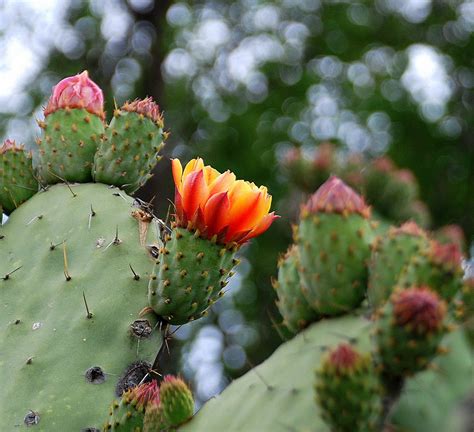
61, 359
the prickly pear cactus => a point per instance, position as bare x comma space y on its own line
70, 320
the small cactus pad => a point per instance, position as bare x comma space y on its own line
334, 238
348, 390
438, 267
295, 310
67, 146
391, 253
129, 149
70, 306
410, 328
189, 276
17, 181
177, 402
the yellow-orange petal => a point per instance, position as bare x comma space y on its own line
195, 193
177, 170
193, 165
246, 212
216, 213
264, 224
222, 183
210, 174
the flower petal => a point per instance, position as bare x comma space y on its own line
195, 193
193, 165
216, 213
177, 174
222, 183
264, 224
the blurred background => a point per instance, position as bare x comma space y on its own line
243, 82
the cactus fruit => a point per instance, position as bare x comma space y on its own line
129, 413
348, 390
391, 253
70, 306
438, 267
295, 310
451, 234
72, 128
334, 237
409, 330
215, 214
17, 181
177, 402
129, 149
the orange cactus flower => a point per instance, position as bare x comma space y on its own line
218, 205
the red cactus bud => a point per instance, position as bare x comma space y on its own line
410, 228
451, 234
334, 196
144, 394
146, 107
418, 307
447, 255
77, 91
343, 357
9, 145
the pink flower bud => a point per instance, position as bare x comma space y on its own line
334, 196
147, 107
77, 91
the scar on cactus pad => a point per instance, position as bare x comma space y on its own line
215, 215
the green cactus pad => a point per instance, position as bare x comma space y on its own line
17, 181
443, 278
279, 395
295, 310
67, 147
124, 417
189, 276
57, 358
348, 390
334, 251
128, 151
391, 253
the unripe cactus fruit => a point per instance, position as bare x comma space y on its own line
215, 214
129, 413
177, 402
348, 390
292, 304
128, 150
409, 330
17, 181
391, 253
334, 238
439, 267
72, 128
